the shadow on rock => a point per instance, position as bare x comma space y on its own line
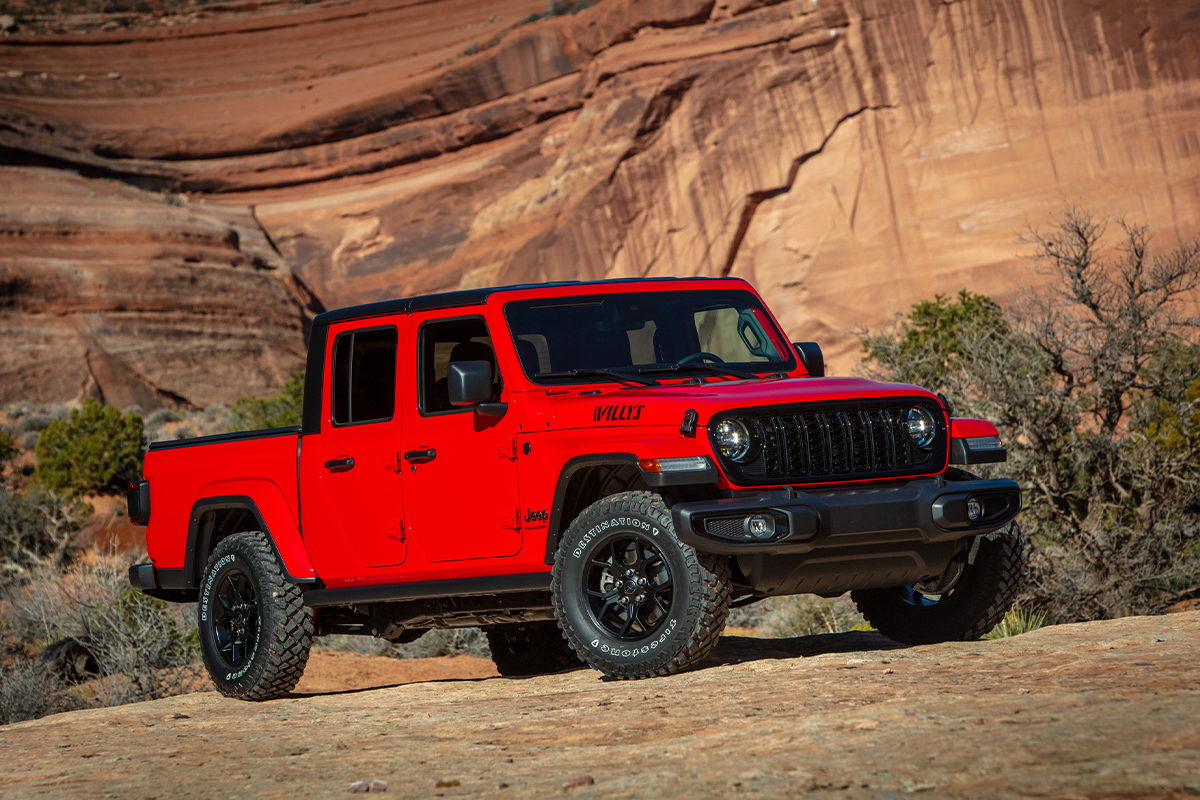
740, 649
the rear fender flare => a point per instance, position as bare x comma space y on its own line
274, 519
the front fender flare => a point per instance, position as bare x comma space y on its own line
654, 480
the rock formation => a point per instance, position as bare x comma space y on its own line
849, 157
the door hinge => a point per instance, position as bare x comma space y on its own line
512, 523
392, 462
396, 531
509, 452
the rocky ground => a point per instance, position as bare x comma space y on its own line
1096, 710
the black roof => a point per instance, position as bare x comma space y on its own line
469, 297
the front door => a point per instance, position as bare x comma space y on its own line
460, 470
355, 455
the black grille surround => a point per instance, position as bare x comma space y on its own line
826, 442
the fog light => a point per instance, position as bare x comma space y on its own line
761, 526
974, 510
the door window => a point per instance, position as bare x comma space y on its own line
443, 343
364, 376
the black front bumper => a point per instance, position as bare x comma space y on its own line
919, 511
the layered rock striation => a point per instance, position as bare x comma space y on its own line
849, 157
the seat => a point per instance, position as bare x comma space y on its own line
375, 385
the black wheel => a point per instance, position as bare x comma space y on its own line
255, 632
965, 602
632, 600
534, 649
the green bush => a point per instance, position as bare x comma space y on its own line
1094, 383
95, 450
280, 411
8, 448
1016, 622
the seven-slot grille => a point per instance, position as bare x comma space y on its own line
807, 444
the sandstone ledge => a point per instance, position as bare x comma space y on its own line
1104, 709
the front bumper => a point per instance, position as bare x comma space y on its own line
922, 511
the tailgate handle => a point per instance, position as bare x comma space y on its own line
421, 456
343, 464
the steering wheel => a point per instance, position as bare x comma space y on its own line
701, 356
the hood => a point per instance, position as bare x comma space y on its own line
666, 405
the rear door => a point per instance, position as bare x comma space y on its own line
357, 483
460, 470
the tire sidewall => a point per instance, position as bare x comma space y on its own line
239, 679
594, 644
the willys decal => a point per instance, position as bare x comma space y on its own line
617, 413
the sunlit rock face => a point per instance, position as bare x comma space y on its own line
848, 158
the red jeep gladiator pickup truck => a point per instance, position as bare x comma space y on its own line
591, 472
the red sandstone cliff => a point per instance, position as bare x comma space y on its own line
847, 156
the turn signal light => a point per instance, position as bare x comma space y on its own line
686, 464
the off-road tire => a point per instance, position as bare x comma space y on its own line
537, 648
694, 614
283, 626
975, 604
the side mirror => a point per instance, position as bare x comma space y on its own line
811, 358
469, 382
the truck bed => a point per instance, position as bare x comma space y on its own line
261, 464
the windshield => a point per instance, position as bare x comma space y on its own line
646, 332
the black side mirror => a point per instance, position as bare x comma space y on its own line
469, 382
811, 358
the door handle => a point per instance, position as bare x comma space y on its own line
343, 464
421, 456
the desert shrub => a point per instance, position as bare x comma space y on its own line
18, 409
29, 440
37, 528
185, 431
1016, 622
444, 642
169, 424
34, 423
8, 448
280, 411
27, 692
1094, 382
799, 615
95, 450
340, 643
144, 648
437, 642
809, 615
162, 416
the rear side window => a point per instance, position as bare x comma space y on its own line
364, 376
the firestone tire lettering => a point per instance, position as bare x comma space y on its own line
284, 625
699, 601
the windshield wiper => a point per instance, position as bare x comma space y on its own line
588, 372
733, 373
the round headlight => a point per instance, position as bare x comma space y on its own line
732, 438
921, 427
